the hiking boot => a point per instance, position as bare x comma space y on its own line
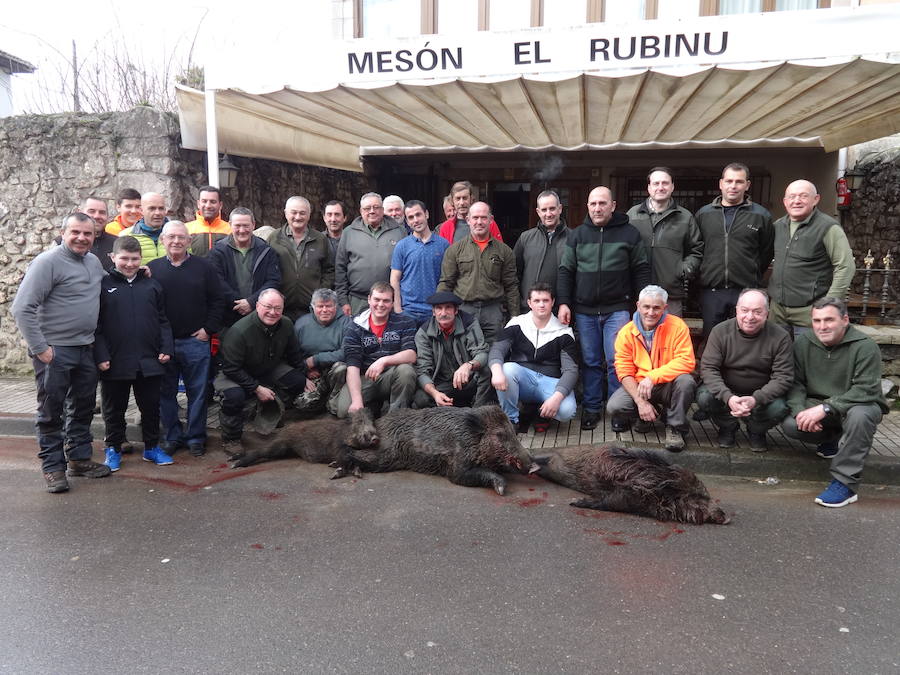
642, 427
113, 459
758, 442
158, 457
828, 449
725, 437
56, 481
196, 449
836, 495
232, 449
620, 424
589, 420
674, 440
88, 468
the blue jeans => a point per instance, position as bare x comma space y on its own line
66, 393
530, 386
597, 336
191, 362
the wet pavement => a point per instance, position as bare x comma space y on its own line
198, 568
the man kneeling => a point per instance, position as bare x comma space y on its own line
379, 350
535, 361
654, 360
836, 399
261, 362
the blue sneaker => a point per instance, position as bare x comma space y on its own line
158, 457
828, 449
113, 459
836, 495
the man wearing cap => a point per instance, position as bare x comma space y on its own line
261, 361
452, 356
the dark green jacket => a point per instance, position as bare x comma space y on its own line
250, 350
673, 245
466, 341
803, 270
304, 268
538, 259
736, 256
602, 269
476, 275
845, 375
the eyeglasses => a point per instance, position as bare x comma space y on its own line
366, 209
271, 308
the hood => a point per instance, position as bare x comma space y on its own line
543, 336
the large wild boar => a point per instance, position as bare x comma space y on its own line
642, 482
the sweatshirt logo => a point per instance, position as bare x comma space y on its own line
111, 290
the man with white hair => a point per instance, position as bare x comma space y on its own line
304, 256
364, 254
654, 360
394, 207
813, 258
194, 301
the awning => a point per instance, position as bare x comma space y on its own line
827, 99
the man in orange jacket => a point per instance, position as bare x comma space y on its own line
208, 227
654, 360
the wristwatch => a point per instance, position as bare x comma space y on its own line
828, 409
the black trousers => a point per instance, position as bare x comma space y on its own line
114, 403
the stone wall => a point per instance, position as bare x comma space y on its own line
873, 220
49, 163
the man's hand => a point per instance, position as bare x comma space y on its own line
354, 406
310, 385
550, 407
376, 369
264, 393
498, 379
45, 356
163, 358
441, 399
564, 314
741, 406
346, 310
462, 375
645, 388
646, 411
103, 365
811, 419
201, 335
242, 307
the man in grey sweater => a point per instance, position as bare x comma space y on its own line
747, 369
56, 310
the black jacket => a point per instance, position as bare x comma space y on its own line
250, 350
266, 273
133, 329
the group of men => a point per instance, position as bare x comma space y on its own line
387, 311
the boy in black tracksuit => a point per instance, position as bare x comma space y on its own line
132, 342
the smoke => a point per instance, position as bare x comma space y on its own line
545, 167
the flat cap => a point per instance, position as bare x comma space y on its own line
443, 297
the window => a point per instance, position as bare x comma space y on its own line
509, 14
740, 6
457, 16
623, 11
676, 9
391, 18
564, 13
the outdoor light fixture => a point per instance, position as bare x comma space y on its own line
227, 172
854, 178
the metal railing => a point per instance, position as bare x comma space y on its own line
886, 303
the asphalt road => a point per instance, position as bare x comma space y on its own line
278, 569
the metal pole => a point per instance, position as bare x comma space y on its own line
212, 139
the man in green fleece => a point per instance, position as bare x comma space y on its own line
813, 258
836, 399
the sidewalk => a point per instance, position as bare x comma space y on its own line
786, 458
